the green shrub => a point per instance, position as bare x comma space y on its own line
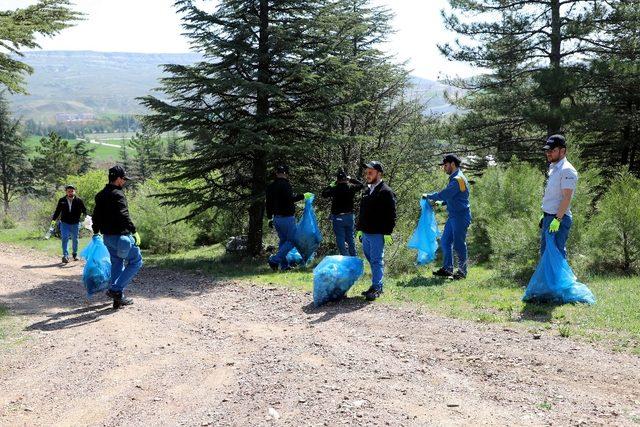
8, 223
614, 232
155, 222
87, 186
505, 205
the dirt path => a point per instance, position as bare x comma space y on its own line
195, 352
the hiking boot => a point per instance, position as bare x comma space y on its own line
373, 294
65, 260
459, 275
442, 273
111, 294
75, 257
119, 300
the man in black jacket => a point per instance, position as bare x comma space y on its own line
281, 209
342, 192
376, 222
69, 209
111, 218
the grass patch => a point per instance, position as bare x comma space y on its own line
101, 153
4, 314
27, 237
483, 297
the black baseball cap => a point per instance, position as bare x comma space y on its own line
282, 168
69, 187
374, 165
117, 172
555, 141
451, 158
341, 175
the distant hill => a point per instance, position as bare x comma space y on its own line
108, 83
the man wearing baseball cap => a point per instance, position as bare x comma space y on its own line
561, 185
69, 209
456, 197
280, 210
376, 222
111, 218
342, 192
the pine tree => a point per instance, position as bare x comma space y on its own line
55, 160
15, 170
534, 52
148, 153
83, 156
18, 30
124, 154
255, 100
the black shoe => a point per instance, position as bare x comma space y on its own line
120, 300
442, 273
373, 294
459, 276
274, 265
367, 291
75, 257
111, 294
65, 260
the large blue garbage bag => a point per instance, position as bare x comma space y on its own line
554, 282
97, 270
308, 236
425, 236
294, 258
334, 276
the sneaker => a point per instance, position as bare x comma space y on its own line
442, 273
459, 275
364, 294
120, 300
65, 260
75, 257
373, 294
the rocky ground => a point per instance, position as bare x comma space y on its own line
193, 351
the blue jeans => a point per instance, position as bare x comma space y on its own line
454, 238
126, 260
286, 228
69, 231
561, 236
343, 229
373, 248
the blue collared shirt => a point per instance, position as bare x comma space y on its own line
455, 195
562, 176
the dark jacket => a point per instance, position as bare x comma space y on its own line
342, 195
281, 199
111, 214
377, 210
69, 216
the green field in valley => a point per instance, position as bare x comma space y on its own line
107, 150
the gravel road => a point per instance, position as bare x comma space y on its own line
195, 351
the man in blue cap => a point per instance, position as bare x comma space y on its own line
342, 192
280, 210
456, 197
69, 209
111, 218
561, 185
376, 222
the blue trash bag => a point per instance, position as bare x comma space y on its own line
97, 270
334, 276
554, 282
308, 236
425, 236
294, 258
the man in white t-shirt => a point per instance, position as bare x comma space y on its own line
561, 184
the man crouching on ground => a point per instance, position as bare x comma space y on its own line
111, 218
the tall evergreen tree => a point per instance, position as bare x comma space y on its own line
124, 154
83, 156
55, 160
255, 99
148, 153
534, 52
18, 30
15, 170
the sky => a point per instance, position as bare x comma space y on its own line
153, 26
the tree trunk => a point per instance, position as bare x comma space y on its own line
259, 167
555, 99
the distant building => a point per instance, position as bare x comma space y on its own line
75, 118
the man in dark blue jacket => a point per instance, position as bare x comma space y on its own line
280, 210
111, 218
376, 222
456, 197
342, 192
69, 209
